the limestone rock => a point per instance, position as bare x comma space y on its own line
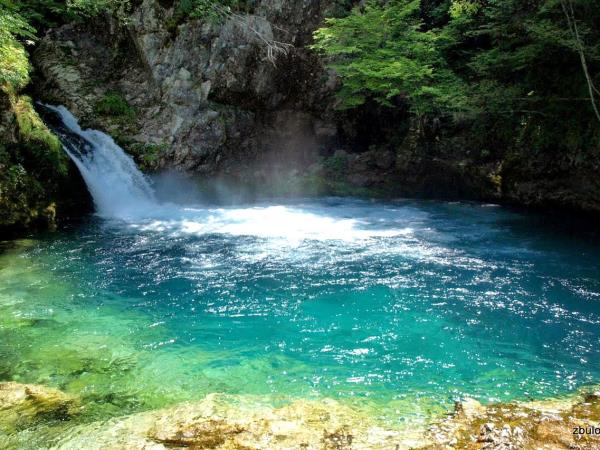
231, 422
544, 425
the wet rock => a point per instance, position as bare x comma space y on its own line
374, 168
338, 440
238, 422
515, 426
23, 405
207, 434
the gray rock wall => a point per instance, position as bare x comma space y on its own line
205, 94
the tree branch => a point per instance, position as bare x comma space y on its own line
569, 11
273, 47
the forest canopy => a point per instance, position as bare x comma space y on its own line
529, 70
444, 56
21, 21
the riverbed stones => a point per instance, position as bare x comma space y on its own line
238, 422
23, 405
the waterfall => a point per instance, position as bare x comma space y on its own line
121, 191
117, 186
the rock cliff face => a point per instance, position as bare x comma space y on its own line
203, 97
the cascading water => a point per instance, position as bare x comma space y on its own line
117, 186
121, 191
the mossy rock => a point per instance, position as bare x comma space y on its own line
37, 138
113, 104
146, 155
24, 405
37, 179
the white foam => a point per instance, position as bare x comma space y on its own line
120, 191
293, 224
117, 186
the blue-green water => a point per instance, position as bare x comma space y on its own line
399, 307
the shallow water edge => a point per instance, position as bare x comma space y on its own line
222, 421
337, 324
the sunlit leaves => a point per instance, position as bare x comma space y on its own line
381, 52
14, 63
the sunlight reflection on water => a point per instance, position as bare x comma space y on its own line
406, 305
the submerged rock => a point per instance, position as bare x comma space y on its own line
24, 405
229, 422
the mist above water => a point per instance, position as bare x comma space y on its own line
170, 202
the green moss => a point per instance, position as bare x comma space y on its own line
146, 155
336, 165
21, 197
173, 22
113, 104
37, 138
31, 167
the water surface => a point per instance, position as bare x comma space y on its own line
398, 308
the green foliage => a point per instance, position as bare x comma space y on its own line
33, 166
113, 104
14, 63
207, 10
19, 194
527, 71
336, 165
43, 14
146, 155
91, 8
20, 22
12, 23
511, 68
382, 53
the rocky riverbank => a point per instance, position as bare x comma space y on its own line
568, 423
46, 418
